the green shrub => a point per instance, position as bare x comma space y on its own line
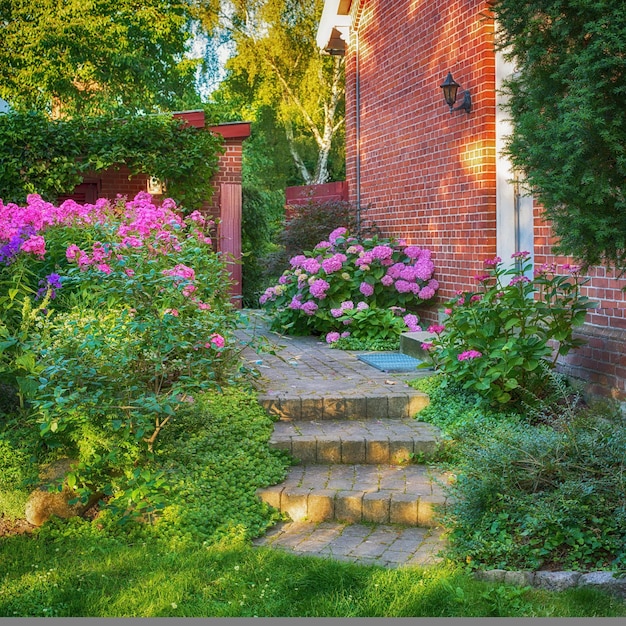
495, 339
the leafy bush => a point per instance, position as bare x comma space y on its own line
51, 157
112, 344
309, 224
549, 496
383, 276
495, 339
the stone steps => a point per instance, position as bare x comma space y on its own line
391, 441
308, 405
357, 493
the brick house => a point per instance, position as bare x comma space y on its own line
225, 205
436, 177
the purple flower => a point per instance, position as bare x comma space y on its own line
361, 306
318, 288
323, 245
519, 279
332, 337
312, 266
366, 289
345, 334
381, 252
309, 307
411, 322
413, 252
403, 286
295, 303
347, 305
336, 312
297, 261
468, 355
387, 281
338, 232
334, 263
426, 293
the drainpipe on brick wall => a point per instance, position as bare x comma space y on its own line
357, 90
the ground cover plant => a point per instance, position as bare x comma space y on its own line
537, 487
350, 287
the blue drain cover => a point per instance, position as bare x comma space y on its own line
390, 361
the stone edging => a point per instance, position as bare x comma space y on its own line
558, 581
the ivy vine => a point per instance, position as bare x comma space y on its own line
51, 157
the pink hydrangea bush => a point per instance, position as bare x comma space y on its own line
331, 287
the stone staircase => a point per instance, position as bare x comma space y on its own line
356, 460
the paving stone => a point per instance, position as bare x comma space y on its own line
403, 509
321, 505
353, 450
348, 506
328, 451
376, 508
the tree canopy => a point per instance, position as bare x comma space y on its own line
69, 57
277, 65
569, 137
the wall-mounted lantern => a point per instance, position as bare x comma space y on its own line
155, 186
450, 88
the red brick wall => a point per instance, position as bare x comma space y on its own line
429, 176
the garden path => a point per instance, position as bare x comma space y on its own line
354, 496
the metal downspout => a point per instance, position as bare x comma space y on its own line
358, 134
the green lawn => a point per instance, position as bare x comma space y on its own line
91, 576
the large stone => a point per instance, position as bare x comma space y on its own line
47, 500
556, 581
606, 581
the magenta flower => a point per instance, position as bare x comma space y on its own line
332, 337
309, 307
413, 252
403, 286
217, 341
492, 262
334, 263
345, 334
336, 312
297, 261
361, 306
347, 305
426, 345
519, 279
338, 232
381, 252
520, 255
318, 288
411, 322
468, 355
312, 266
436, 328
427, 293
366, 289
36, 245
387, 281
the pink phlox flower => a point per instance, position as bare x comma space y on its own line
203, 306
426, 345
129, 271
181, 271
492, 262
217, 340
73, 252
481, 278
572, 269
99, 252
476, 298
131, 241
36, 245
332, 337
172, 312
366, 289
309, 307
197, 217
520, 255
448, 311
105, 268
188, 290
337, 233
519, 279
436, 328
468, 355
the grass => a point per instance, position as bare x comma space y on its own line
92, 576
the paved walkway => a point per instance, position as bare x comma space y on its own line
296, 383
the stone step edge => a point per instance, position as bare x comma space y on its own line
303, 407
326, 450
354, 506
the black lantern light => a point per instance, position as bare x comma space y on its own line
450, 88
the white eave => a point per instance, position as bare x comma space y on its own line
334, 27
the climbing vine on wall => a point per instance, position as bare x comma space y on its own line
51, 157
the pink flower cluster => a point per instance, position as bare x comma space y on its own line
468, 355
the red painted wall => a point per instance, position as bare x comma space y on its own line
429, 176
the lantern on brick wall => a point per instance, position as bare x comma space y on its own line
450, 88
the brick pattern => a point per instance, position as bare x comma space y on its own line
429, 176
